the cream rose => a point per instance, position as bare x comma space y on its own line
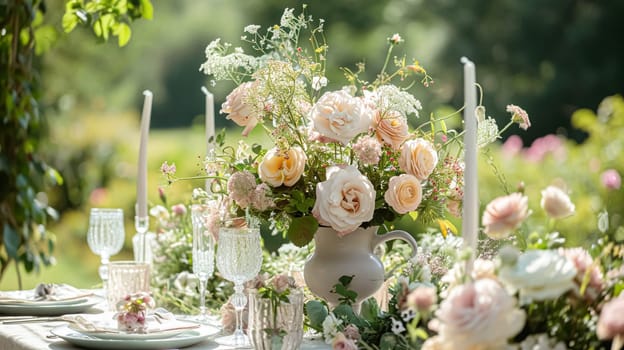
556, 203
504, 214
345, 200
391, 128
478, 315
419, 158
539, 275
238, 108
280, 167
404, 193
340, 116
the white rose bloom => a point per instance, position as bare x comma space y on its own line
556, 203
340, 116
345, 200
539, 275
330, 327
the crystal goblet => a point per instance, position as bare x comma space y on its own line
203, 250
105, 237
239, 258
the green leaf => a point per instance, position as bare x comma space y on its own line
346, 280
123, 33
302, 230
11, 240
370, 309
317, 312
70, 21
256, 148
147, 9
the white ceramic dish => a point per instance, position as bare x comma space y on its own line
184, 339
49, 308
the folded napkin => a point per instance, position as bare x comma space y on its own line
44, 292
103, 323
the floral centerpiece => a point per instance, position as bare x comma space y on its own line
343, 158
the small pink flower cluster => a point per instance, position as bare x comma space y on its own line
131, 316
243, 190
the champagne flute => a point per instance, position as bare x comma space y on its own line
105, 237
239, 258
203, 250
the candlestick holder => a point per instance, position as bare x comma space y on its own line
142, 240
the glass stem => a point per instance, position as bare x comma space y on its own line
202, 298
239, 301
103, 271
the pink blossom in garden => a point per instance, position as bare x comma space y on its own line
556, 203
505, 214
512, 146
368, 150
520, 116
543, 146
611, 179
478, 315
241, 186
351, 331
178, 209
341, 342
422, 298
395, 39
168, 169
611, 321
585, 266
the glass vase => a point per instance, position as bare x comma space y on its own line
268, 331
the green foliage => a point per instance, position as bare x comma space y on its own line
107, 17
23, 174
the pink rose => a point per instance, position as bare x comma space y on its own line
478, 315
611, 179
239, 108
404, 193
279, 167
422, 298
556, 203
345, 200
391, 128
504, 214
340, 116
585, 266
282, 282
611, 322
419, 158
341, 342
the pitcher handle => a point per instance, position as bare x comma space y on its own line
396, 234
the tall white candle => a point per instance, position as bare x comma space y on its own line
142, 172
470, 217
210, 122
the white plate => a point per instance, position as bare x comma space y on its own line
186, 338
114, 334
49, 309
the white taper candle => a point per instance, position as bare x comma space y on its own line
470, 215
142, 171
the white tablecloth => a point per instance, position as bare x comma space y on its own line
34, 336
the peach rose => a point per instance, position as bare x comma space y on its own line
339, 116
611, 322
280, 167
478, 315
556, 203
404, 193
391, 128
419, 158
238, 108
504, 214
345, 200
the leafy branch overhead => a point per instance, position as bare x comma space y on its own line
106, 17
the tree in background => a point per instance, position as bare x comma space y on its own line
24, 210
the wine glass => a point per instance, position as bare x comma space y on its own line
203, 250
239, 258
105, 237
